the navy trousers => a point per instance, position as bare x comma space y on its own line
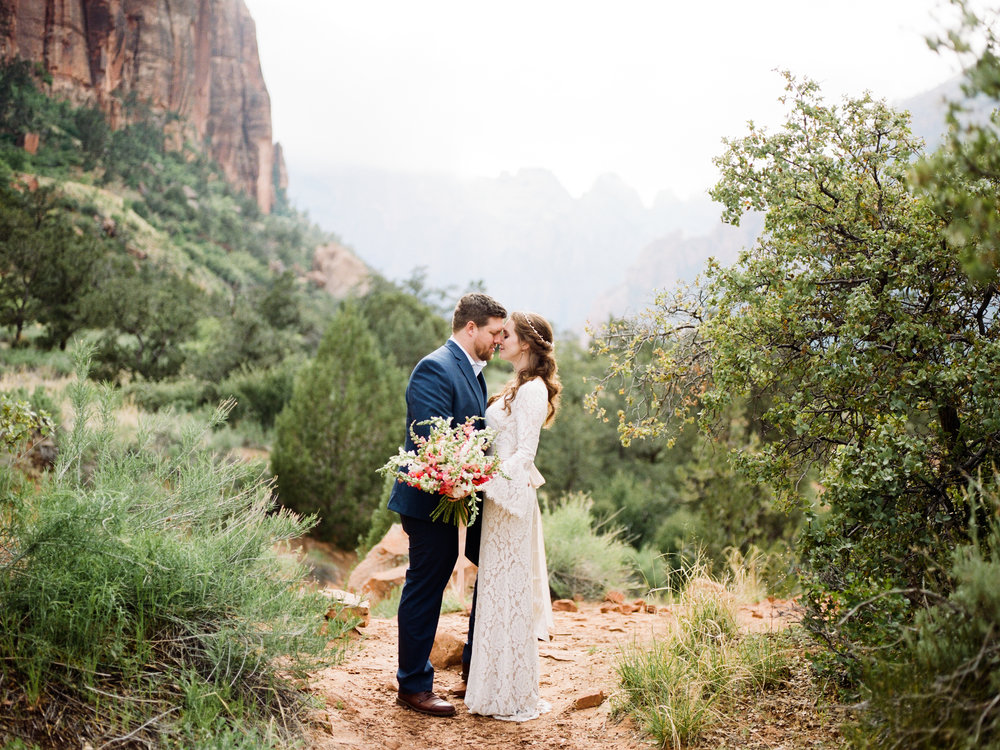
433, 553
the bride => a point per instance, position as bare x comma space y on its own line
513, 609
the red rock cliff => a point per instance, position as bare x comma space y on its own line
194, 57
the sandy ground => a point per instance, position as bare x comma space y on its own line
579, 661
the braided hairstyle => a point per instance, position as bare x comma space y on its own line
535, 331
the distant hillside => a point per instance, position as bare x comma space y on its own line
928, 110
670, 260
531, 242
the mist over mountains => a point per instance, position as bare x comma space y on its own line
532, 244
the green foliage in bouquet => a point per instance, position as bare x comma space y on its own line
141, 596
342, 421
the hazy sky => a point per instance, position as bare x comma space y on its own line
642, 88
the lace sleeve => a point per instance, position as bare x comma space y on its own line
528, 410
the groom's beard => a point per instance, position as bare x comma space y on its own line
485, 352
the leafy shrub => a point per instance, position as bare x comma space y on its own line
184, 394
55, 363
261, 392
148, 314
943, 689
583, 559
140, 596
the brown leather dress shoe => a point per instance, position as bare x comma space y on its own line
426, 703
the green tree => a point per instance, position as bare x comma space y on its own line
21, 102
241, 337
853, 329
132, 150
46, 263
575, 451
341, 424
281, 306
148, 315
94, 133
405, 328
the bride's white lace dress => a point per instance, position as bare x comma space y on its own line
513, 609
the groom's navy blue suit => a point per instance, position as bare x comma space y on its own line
443, 384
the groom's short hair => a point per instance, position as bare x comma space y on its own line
478, 308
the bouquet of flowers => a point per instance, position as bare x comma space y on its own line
451, 460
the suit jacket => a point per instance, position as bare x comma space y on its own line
443, 384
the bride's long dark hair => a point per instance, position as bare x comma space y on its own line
535, 331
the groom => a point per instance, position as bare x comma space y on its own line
448, 382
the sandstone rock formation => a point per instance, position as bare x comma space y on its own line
197, 58
384, 568
339, 271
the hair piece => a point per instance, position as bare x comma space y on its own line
534, 330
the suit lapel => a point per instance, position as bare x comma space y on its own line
478, 385
482, 389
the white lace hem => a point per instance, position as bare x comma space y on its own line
543, 707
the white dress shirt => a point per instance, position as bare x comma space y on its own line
477, 364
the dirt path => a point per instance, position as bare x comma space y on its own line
579, 661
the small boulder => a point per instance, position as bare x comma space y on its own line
616, 597
381, 584
29, 142
590, 700
564, 605
447, 650
345, 606
391, 552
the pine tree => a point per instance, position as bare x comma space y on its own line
342, 423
